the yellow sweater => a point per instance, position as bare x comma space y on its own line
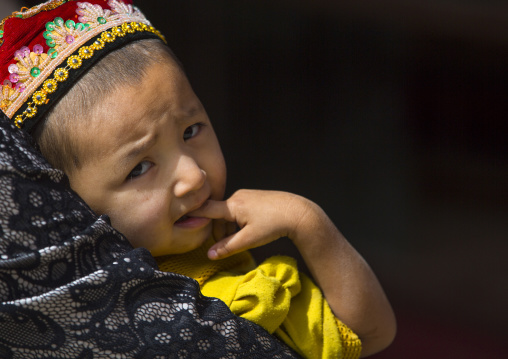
273, 295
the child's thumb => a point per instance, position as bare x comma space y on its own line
230, 245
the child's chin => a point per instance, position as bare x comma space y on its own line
193, 243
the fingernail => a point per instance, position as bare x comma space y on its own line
212, 254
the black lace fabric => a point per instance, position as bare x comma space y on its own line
73, 287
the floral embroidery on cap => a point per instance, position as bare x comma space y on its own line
29, 77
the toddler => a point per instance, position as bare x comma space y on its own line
109, 104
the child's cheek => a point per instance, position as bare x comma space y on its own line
139, 230
136, 219
150, 224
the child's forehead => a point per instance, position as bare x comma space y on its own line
134, 88
162, 91
133, 117
134, 72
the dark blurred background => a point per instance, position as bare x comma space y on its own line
389, 114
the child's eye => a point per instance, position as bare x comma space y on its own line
140, 169
192, 131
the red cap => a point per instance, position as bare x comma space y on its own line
46, 48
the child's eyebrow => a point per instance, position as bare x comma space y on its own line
139, 148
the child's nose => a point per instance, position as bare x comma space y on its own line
189, 177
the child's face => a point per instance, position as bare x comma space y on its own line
155, 159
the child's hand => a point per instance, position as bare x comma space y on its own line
262, 216
349, 285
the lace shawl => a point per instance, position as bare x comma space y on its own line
73, 287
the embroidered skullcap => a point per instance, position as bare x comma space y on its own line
44, 50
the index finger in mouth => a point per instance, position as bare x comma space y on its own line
214, 210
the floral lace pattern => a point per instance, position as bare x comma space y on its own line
72, 287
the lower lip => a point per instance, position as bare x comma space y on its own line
193, 222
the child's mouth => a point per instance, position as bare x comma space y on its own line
190, 222
182, 219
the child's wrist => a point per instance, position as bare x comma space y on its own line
314, 230
305, 218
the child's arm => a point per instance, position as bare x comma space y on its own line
349, 285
